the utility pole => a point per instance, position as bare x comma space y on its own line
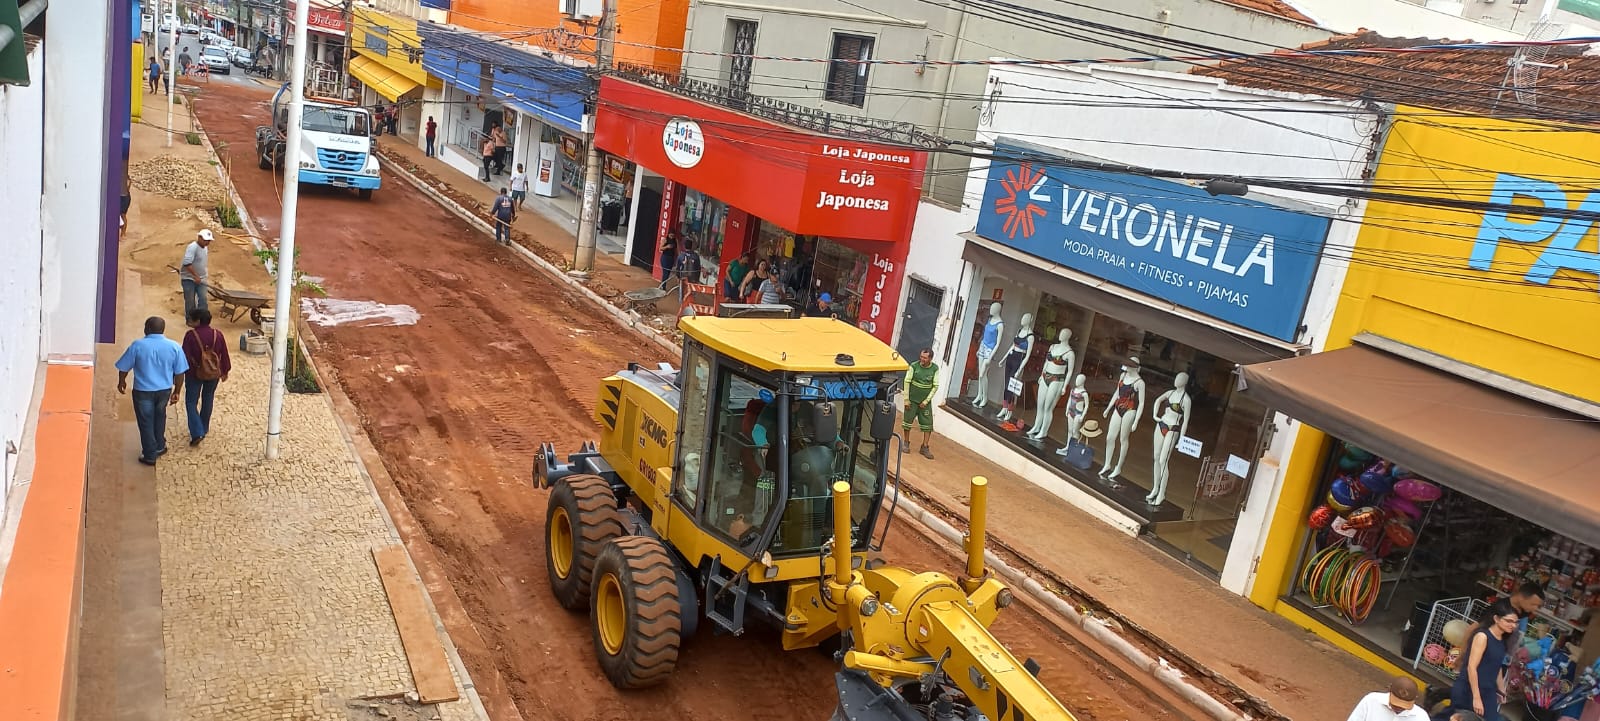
172, 66
291, 201
583, 258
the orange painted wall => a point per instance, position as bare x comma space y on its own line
660, 23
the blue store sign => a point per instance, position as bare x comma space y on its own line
1237, 260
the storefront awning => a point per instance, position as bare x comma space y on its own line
381, 78
1524, 457
1157, 316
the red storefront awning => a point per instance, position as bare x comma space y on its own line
808, 183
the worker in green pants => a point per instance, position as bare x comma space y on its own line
921, 381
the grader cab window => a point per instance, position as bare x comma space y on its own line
742, 476
815, 463
694, 409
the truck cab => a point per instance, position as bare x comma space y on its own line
336, 145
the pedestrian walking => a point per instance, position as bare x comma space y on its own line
922, 381
688, 263
1480, 686
158, 368
488, 158
431, 133
155, 74
193, 272
1399, 703
184, 60
737, 270
498, 135
519, 188
393, 119
504, 212
206, 351
669, 257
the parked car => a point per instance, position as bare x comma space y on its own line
240, 56
216, 60
189, 29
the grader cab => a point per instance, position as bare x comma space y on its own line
748, 486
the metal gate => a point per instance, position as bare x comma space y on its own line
921, 316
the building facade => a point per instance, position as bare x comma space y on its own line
733, 44
1447, 432
1055, 275
388, 65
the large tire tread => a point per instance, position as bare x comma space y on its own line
592, 507
649, 582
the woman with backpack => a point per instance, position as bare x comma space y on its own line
207, 352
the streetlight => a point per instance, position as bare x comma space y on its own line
291, 201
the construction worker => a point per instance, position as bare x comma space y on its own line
922, 379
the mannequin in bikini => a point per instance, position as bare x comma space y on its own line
1171, 412
1123, 412
1058, 363
1077, 406
986, 349
1016, 358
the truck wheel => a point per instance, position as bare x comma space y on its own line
581, 517
365, 193
635, 612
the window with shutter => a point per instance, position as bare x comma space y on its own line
742, 45
847, 78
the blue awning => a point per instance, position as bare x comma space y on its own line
536, 85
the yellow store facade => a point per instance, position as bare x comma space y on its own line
388, 63
1450, 448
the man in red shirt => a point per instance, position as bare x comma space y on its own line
207, 352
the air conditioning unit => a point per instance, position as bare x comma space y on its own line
582, 9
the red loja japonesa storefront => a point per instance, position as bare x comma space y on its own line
834, 214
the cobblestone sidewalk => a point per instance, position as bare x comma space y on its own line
273, 606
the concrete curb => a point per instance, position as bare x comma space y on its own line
1170, 677
1095, 627
469, 690
628, 320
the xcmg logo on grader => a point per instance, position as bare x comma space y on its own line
653, 430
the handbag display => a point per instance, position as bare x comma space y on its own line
1079, 456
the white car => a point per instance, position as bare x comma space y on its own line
189, 29
216, 60
240, 56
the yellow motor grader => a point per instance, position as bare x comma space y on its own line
747, 487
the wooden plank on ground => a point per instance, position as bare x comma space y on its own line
430, 668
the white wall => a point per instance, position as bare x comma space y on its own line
21, 307
1402, 19
75, 174
934, 242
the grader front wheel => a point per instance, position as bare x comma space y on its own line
581, 518
635, 610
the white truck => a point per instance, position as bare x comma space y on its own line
336, 143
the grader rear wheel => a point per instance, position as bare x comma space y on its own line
582, 516
635, 611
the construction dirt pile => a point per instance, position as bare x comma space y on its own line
176, 178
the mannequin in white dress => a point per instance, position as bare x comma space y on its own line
1077, 407
1015, 359
1123, 411
986, 348
1058, 364
1171, 412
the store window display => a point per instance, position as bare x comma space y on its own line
1409, 566
1203, 439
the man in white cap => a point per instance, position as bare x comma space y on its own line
1399, 703
193, 272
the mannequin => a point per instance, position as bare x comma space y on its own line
1077, 407
986, 348
1123, 411
1058, 363
1171, 412
1016, 358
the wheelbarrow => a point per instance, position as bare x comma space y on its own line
647, 297
235, 303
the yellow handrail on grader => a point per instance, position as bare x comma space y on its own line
748, 486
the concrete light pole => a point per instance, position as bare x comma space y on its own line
172, 65
583, 257
291, 201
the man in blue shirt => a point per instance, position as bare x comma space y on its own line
158, 365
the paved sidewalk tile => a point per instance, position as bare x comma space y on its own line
273, 606
1298, 674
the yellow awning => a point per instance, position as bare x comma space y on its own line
377, 76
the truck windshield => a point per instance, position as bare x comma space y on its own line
340, 121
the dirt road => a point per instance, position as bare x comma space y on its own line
500, 359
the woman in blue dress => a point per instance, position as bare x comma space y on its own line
1478, 685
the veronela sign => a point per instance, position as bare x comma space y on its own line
807, 183
1237, 260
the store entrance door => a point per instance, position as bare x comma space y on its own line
922, 314
646, 226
